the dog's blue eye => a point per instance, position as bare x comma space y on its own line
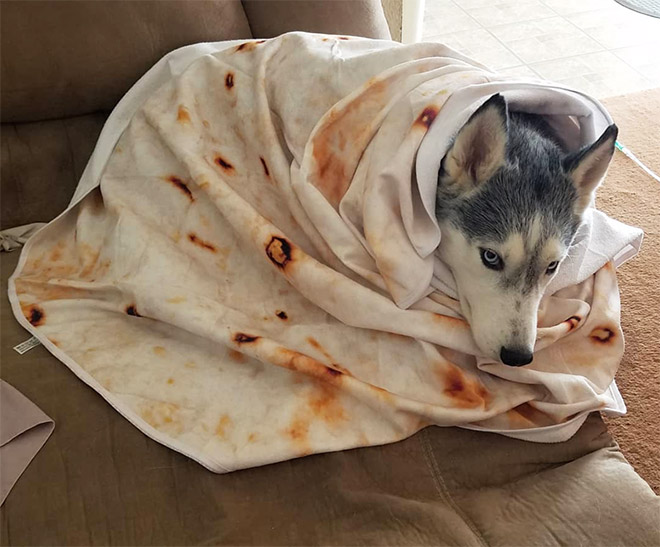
552, 267
491, 259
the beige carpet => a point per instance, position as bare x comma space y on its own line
630, 195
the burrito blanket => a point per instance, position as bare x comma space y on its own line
247, 271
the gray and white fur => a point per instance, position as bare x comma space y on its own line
510, 200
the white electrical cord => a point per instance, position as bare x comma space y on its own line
632, 156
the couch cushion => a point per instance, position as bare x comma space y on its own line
270, 18
69, 58
99, 481
41, 164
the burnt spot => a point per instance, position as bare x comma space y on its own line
602, 335
573, 321
35, 315
229, 80
201, 243
341, 369
344, 38
249, 46
315, 344
131, 310
224, 163
282, 315
279, 251
237, 356
332, 372
464, 392
181, 186
324, 404
221, 427
242, 338
449, 320
524, 414
183, 116
263, 163
57, 253
427, 116
298, 430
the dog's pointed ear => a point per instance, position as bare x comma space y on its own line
587, 167
479, 149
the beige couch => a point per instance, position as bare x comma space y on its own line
99, 480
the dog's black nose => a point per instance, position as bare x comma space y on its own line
516, 357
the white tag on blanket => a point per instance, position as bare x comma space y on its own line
26, 346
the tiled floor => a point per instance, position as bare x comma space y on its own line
596, 46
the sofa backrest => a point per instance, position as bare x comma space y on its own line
66, 63
69, 58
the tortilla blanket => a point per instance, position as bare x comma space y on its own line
247, 270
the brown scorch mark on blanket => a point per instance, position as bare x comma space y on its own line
201, 243
341, 369
525, 413
344, 38
282, 315
242, 338
315, 344
237, 356
224, 163
344, 129
159, 350
298, 430
449, 320
35, 315
57, 252
279, 251
181, 186
229, 80
324, 404
602, 335
427, 116
573, 321
161, 415
249, 46
223, 423
132, 310
183, 116
263, 163
465, 392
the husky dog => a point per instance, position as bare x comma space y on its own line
510, 200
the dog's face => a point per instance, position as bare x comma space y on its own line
510, 201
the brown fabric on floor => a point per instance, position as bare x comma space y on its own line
633, 197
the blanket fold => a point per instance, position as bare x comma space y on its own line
247, 269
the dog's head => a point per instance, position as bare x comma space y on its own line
510, 201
